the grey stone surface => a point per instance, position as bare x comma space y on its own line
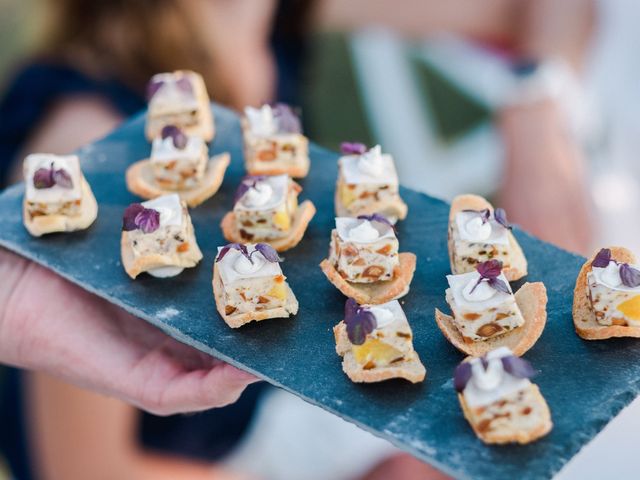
585, 384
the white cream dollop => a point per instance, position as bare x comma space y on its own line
483, 291
257, 195
371, 162
610, 275
383, 316
261, 120
490, 378
165, 272
364, 232
244, 266
476, 229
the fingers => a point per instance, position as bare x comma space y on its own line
197, 390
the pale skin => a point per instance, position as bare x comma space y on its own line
144, 368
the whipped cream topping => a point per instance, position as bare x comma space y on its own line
370, 162
386, 313
372, 167
471, 228
493, 383
163, 150
70, 163
234, 266
170, 97
258, 196
268, 193
481, 298
261, 121
169, 207
362, 231
609, 276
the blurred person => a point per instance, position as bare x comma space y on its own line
90, 76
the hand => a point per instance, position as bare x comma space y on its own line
404, 467
544, 186
48, 324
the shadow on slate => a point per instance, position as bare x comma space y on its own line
585, 383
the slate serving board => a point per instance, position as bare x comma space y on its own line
586, 383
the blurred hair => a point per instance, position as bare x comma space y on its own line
129, 40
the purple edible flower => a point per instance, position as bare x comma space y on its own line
152, 87
137, 217
602, 259
179, 138
184, 84
501, 217
376, 217
359, 321
235, 246
630, 276
48, 177
267, 251
518, 367
250, 181
485, 214
353, 148
490, 271
461, 376
286, 118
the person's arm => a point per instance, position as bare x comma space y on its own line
544, 184
482, 19
48, 324
76, 434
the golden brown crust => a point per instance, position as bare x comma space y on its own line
584, 318
140, 181
411, 370
379, 292
521, 437
532, 301
518, 267
394, 209
205, 128
43, 224
304, 213
294, 171
237, 320
135, 266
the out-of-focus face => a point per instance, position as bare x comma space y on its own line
237, 33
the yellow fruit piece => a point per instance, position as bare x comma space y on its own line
278, 291
346, 195
377, 351
631, 308
282, 220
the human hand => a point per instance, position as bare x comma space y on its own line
544, 186
404, 467
49, 324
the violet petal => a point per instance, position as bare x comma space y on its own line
177, 135
630, 276
518, 367
268, 252
499, 285
286, 119
129, 217
250, 181
602, 259
148, 220
184, 84
152, 87
501, 217
353, 148
360, 325
461, 376
62, 178
376, 217
43, 178
235, 246
490, 268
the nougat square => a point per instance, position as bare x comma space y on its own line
265, 207
613, 302
53, 185
364, 251
479, 318
250, 285
178, 161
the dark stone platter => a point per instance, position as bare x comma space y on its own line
585, 383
